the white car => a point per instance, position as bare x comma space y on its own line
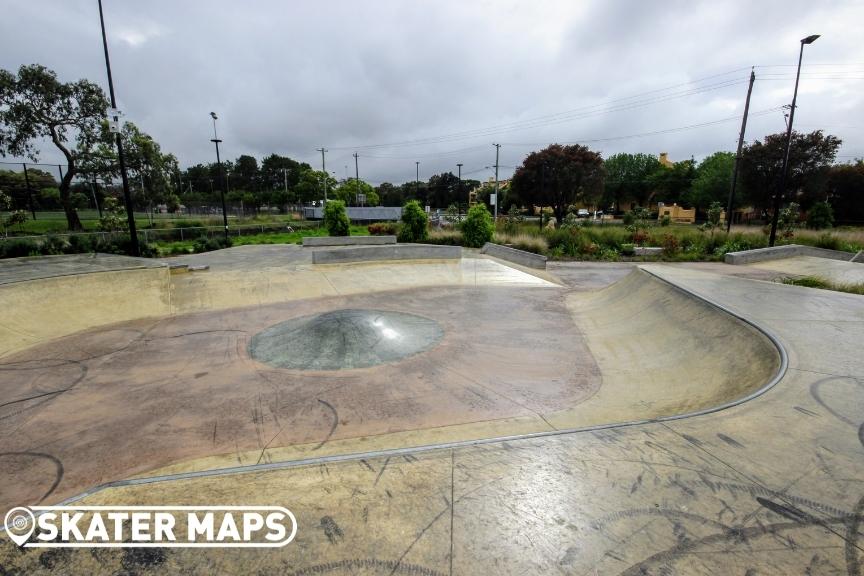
582, 213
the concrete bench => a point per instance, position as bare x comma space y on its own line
348, 240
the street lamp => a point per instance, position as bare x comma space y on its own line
778, 197
216, 141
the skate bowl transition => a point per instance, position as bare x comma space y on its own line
118, 370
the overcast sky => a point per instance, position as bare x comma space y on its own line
443, 80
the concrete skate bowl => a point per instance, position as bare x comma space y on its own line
132, 376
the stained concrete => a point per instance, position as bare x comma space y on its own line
769, 486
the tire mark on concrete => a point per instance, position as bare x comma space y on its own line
740, 534
58, 466
333, 425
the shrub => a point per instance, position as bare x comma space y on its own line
336, 219
670, 245
628, 249
788, 219
54, 245
565, 242
383, 228
17, 218
639, 237
666, 220
79, 244
512, 220
477, 229
628, 218
820, 216
205, 244
415, 223
17, 248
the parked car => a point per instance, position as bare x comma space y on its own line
583, 213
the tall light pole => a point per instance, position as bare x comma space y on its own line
324, 170
417, 181
127, 195
216, 141
778, 197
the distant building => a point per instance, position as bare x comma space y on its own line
664, 160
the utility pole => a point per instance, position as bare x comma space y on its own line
324, 170
459, 191
778, 197
417, 181
356, 174
738, 154
29, 191
497, 149
127, 195
542, 191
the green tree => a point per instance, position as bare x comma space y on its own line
845, 188
820, 216
415, 223
336, 219
279, 176
713, 181
571, 173
671, 184
478, 228
36, 105
347, 193
628, 179
444, 189
389, 195
810, 159
310, 186
150, 172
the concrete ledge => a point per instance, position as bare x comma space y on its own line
647, 251
521, 257
788, 251
392, 252
348, 240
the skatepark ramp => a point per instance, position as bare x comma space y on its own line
664, 352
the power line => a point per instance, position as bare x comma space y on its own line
576, 113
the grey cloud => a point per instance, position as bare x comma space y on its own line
288, 77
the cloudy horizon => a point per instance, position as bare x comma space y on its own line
440, 82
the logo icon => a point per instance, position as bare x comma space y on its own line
20, 524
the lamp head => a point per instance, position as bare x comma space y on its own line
213, 114
810, 39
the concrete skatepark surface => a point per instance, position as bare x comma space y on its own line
770, 484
